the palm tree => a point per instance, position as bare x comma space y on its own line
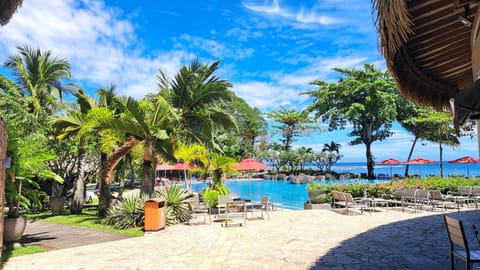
197, 97
333, 151
145, 123
77, 123
83, 121
39, 75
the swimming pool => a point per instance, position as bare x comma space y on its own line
291, 196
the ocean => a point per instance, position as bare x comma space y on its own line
422, 170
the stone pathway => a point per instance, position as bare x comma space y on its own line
58, 236
316, 239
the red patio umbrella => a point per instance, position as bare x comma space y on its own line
183, 167
390, 162
163, 167
251, 164
420, 161
465, 160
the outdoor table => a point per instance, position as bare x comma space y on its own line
372, 203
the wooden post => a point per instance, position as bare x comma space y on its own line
3, 156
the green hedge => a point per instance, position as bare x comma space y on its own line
445, 185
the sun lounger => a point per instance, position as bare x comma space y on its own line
440, 200
347, 201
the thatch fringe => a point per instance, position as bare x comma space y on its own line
394, 27
7, 8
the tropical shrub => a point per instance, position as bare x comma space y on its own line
210, 195
127, 213
176, 197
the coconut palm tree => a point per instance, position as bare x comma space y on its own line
83, 121
39, 75
76, 123
146, 123
197, 97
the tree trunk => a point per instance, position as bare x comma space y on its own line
79, 189
132, 171
441, 159
370, 162
105, 198
147, 183
121, 182
410, 154
3, 156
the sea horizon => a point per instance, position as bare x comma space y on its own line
423, 170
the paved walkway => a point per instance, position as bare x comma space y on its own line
58, 236
316, 239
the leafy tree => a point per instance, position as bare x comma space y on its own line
305, 155
291, 124
320, 160
332, 151
364, 98
251, 125
39, 75
437, 127
198, 99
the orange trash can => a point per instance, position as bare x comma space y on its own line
155, 215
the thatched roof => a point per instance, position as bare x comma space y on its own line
426, 47
7, 8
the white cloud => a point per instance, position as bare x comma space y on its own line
317, 69
312, 17
267, 96
298, 19
96, 41
272, 8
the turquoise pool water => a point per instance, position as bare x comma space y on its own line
291, 196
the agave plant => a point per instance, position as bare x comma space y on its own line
127, 213
176, 197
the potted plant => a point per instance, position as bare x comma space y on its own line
28, 168
317, 196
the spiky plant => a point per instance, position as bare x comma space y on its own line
177, 208
127, 213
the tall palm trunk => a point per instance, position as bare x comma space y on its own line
79, 189
105, 198
147, 183
410, 154
441, 158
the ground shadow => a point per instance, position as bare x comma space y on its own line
417, 243
36, 238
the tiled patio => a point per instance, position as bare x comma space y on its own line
316, 239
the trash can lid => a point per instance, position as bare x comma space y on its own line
155, 200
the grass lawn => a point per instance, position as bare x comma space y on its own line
9, 252
88, 219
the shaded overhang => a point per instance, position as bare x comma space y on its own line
432, 49
7, 8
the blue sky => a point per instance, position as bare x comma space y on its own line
270, 50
